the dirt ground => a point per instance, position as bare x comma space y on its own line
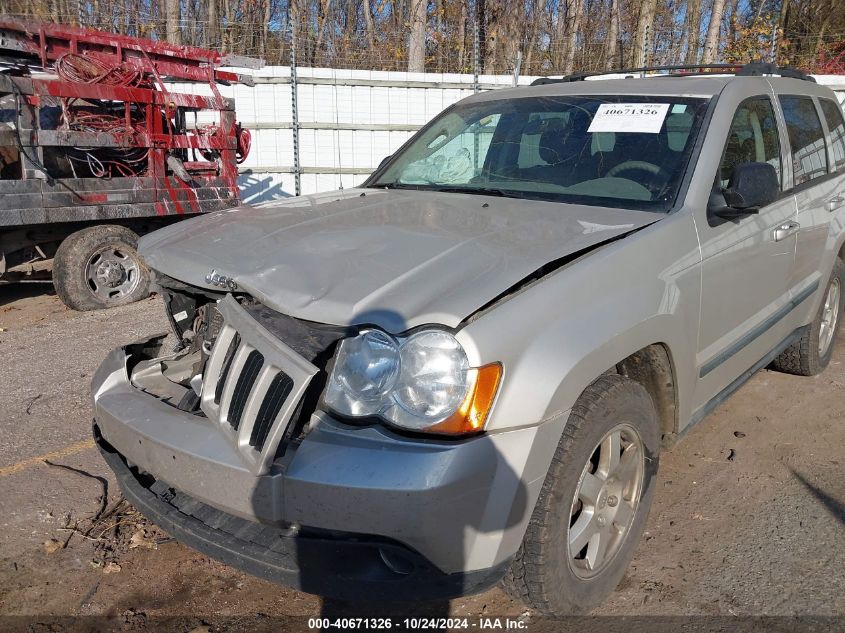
749, 519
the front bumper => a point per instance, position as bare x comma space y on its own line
341, 566
456, 509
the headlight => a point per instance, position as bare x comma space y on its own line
422, 382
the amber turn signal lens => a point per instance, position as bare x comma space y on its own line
472, 414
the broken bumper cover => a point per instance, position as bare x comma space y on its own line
412, 518
341, 566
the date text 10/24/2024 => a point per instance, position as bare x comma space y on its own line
483, 623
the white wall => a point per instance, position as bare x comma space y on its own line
354, 101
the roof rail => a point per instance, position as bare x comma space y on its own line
752, 69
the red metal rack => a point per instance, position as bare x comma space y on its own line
83, 99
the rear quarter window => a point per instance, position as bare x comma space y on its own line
836, 125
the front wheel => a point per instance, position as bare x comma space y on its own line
594, 502
98, 267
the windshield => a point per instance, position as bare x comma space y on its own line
618, 151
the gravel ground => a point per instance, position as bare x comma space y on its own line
760, 534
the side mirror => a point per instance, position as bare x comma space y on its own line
752, 186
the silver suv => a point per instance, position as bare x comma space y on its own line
463, 372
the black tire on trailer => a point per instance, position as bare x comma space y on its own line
99, 267
594, 502
811, 353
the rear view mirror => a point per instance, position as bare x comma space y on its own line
751, 186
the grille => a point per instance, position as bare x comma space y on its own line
251, 385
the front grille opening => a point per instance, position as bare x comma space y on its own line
246, 381
277, 394
227, 365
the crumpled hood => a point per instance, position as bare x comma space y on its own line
394, 258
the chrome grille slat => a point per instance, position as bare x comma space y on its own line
232, 379
213, 370
227, 366
256, 397
252, 384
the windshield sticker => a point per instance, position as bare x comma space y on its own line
644, 118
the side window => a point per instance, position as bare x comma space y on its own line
753, 138
833, 113
806, 138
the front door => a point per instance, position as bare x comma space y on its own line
746, 264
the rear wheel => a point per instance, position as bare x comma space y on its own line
594, 502
99, 267
810, 354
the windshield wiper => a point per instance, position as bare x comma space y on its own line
477, 191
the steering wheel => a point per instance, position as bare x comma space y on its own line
631, 165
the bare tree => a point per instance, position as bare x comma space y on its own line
645, 33
711, 42
575, 15
416, 49
172, 11
692, 31
612, 41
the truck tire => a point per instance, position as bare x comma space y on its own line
811, 353
99, 267
596, 497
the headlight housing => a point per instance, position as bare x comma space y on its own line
422, 382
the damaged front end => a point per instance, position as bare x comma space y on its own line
256, 373
221, 440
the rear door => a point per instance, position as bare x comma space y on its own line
817, 143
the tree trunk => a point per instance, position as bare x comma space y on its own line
711, 43
210, 31
692, 26
368, 24
612, 41
645, 33
265, 30
171, 9
416, 48
575, 15
462, 37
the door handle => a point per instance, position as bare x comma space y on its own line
785, 230
834, 203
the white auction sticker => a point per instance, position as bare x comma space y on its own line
629, 117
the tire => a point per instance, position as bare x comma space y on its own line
99, 267
544, 574
811, 353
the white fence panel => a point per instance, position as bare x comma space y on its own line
349, 121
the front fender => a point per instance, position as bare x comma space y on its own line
560, 334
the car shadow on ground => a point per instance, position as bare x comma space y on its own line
834, 506
25, 290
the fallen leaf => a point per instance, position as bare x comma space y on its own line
111, 568
52, 546
139, 539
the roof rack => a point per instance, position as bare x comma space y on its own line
753, 69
